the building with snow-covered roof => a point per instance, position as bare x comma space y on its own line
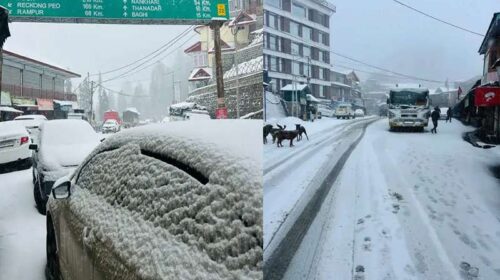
297, 44
31, 85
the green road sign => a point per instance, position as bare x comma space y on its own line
118, 11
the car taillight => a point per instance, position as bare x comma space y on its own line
24, 140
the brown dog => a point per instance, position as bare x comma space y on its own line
286, 135
269, 129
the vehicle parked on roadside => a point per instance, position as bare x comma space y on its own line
344, 111
164, 201
359, 113
14, 145
62, 146
110, 125
325, 111
187, 111
32, 124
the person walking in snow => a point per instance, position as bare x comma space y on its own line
435, 117
448, 115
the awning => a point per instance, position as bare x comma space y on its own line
45, 104
9, 109
487, 96
5, 99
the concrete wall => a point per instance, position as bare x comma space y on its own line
250, 90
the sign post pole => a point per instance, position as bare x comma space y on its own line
4, 34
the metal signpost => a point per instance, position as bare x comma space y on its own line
164, 12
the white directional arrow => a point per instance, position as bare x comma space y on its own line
125, 14
124, 1
9, 5
125, 8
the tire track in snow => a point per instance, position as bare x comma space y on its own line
277, 264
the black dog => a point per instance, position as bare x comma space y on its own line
269, 129
286, 135
301, 130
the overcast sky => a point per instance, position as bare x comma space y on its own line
389, 35
84, 48
378, 32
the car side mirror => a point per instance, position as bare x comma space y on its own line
62, 189
33, 147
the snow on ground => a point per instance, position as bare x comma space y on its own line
409, 206
22, 229
291, 174
274, 109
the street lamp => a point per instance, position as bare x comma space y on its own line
234, 31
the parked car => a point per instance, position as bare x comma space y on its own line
344, 111
14, 145
359, 113
325, 111
157, 203
32, 124
63, 145
110, 125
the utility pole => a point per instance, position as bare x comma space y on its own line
91, 98
4, 34
236, 63
221, 112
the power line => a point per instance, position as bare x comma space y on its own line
150, 65
437, 19
130, 64
386, 70
171, 43
121, 93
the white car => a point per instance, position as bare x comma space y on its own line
344, 111
443, 114
32, 124
14, 144
326, 111
63, 145
110, 126
359, 113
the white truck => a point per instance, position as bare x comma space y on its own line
408, 108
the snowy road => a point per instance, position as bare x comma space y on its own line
22, 229
407, 206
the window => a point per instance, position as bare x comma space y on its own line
273, 43
321, 91
295, 48
306, 51
294, 28
273, 21
306, 32
298, 10
320, 37
320, 56
274, 3
296, 68
273, 64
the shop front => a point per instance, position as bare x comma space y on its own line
45, 107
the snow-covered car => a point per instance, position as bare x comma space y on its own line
156, 203
344, 111
32, 124
196, 115
63, 145
325, 111
110, 126
14, 144
359, 113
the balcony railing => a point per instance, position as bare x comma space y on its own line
37, 93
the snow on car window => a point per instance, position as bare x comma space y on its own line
223, 223
67, 132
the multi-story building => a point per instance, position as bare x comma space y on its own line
345, 86
297, 44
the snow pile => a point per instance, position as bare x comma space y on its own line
162, 222
245, 68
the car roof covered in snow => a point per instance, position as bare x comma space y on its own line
11, 128
31, 117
